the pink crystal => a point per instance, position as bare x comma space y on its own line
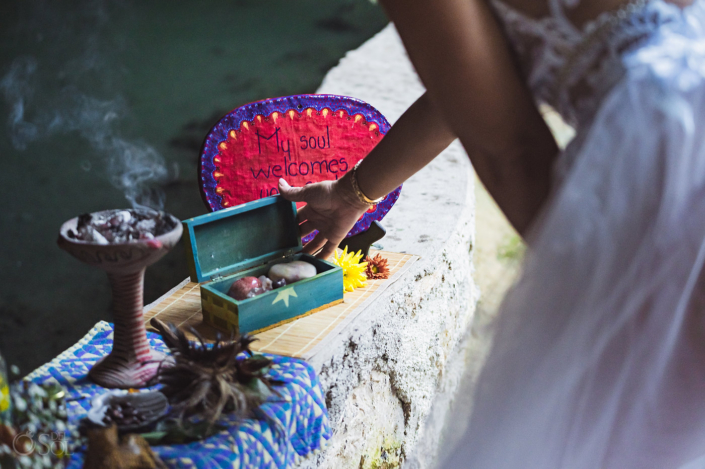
241, 289
266, 283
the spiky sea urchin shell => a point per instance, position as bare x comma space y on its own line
209, 379
377, 267
353, 270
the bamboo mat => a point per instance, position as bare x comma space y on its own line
299, 338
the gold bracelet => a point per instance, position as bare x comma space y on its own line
356, 188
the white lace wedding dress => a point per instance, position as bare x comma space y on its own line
599, 356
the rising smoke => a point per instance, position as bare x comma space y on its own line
39, 109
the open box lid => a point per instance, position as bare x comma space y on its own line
234, 239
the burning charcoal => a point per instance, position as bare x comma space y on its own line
101, 225
84, 220
126, 216
97, 237
146, 226
122, 226
119, 218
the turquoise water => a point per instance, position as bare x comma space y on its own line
99, 100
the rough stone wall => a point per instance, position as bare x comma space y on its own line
386, 371
406, 341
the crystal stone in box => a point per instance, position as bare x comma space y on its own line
247, 241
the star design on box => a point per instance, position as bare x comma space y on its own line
284, 295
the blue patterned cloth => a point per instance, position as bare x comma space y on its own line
300, 412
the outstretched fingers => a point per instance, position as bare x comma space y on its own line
294, 194
306, 228
327, 250
315, 244
303, 214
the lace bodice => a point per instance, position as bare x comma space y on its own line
572, 68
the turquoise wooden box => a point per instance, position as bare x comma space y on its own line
247, 240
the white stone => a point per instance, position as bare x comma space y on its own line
292, 271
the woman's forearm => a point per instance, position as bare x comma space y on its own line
463, 59
333, 207
416, 138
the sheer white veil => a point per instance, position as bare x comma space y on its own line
599, 356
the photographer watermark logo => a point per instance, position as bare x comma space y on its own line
27, 443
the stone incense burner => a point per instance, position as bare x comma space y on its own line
131, 363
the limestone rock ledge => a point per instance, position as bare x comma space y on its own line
385, 371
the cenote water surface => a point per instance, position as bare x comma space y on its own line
96, 97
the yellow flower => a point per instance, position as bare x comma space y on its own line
353, 270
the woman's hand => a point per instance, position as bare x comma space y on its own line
332, 208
